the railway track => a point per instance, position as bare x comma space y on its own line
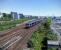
8, 32
8, 38
15, 39
25, 39
10, 42
12, 32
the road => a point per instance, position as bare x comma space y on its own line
15, 38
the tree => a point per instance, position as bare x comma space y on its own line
44, 42
4, 15
29, 44
7, 16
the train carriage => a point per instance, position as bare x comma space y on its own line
32, 23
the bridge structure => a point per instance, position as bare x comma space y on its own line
16, 38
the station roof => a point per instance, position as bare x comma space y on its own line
50, 42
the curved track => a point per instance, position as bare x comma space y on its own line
13, 33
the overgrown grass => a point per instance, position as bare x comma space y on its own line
39, 35
52, 36
52, 48
37, 38
7, 25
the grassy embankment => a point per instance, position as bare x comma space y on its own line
7, 25
38, 38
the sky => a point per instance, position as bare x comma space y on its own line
32, 7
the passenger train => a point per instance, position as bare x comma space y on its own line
32, 23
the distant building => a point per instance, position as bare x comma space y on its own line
35, 17
21, 16
28, 16
31, 17
14, 15
56, 19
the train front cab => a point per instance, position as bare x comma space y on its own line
26, 25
